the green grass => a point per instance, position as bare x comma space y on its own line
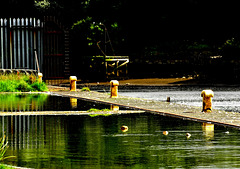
85, 89
2, 166
96, 115
21, 83
98, 110
95, 110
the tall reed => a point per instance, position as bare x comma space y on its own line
3, 148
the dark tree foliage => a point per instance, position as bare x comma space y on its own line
144, 30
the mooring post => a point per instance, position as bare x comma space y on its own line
40, 75
168, 99
207, 100
73, 83
114, 88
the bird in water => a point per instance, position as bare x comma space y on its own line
124, 128
188, 135
165, 133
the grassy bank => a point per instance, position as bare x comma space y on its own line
21, 83
3, 166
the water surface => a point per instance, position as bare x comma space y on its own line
98, 142
19, 102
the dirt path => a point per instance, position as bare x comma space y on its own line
147, 82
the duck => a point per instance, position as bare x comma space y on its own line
188, 135
165, 133
124, 128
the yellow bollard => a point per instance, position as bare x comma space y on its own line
40, 75
73, 84
168, 99
114, 88
207, 100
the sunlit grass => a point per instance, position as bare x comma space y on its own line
86, 89
2, 166
21, 83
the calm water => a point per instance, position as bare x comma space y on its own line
225, 98
44, 102
98, 142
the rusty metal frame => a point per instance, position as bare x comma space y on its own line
114, 61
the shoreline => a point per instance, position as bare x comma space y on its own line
152, 82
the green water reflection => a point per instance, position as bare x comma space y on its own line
98, 142
31, 102
22, 102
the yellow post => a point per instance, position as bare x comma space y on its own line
207, 100
114, 88
40, 75
73, 84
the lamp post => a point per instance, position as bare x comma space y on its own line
105, 38
105, 47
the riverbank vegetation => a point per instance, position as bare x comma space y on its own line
2, 166
3, 149
21, 83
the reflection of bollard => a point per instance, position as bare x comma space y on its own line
114, 108
73, 80
73, 102
207, 100
208, 129
114, 88
40, 75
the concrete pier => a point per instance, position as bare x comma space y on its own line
231, 119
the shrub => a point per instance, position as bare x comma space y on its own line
36, 86
20, 83
7, 86
23, 86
